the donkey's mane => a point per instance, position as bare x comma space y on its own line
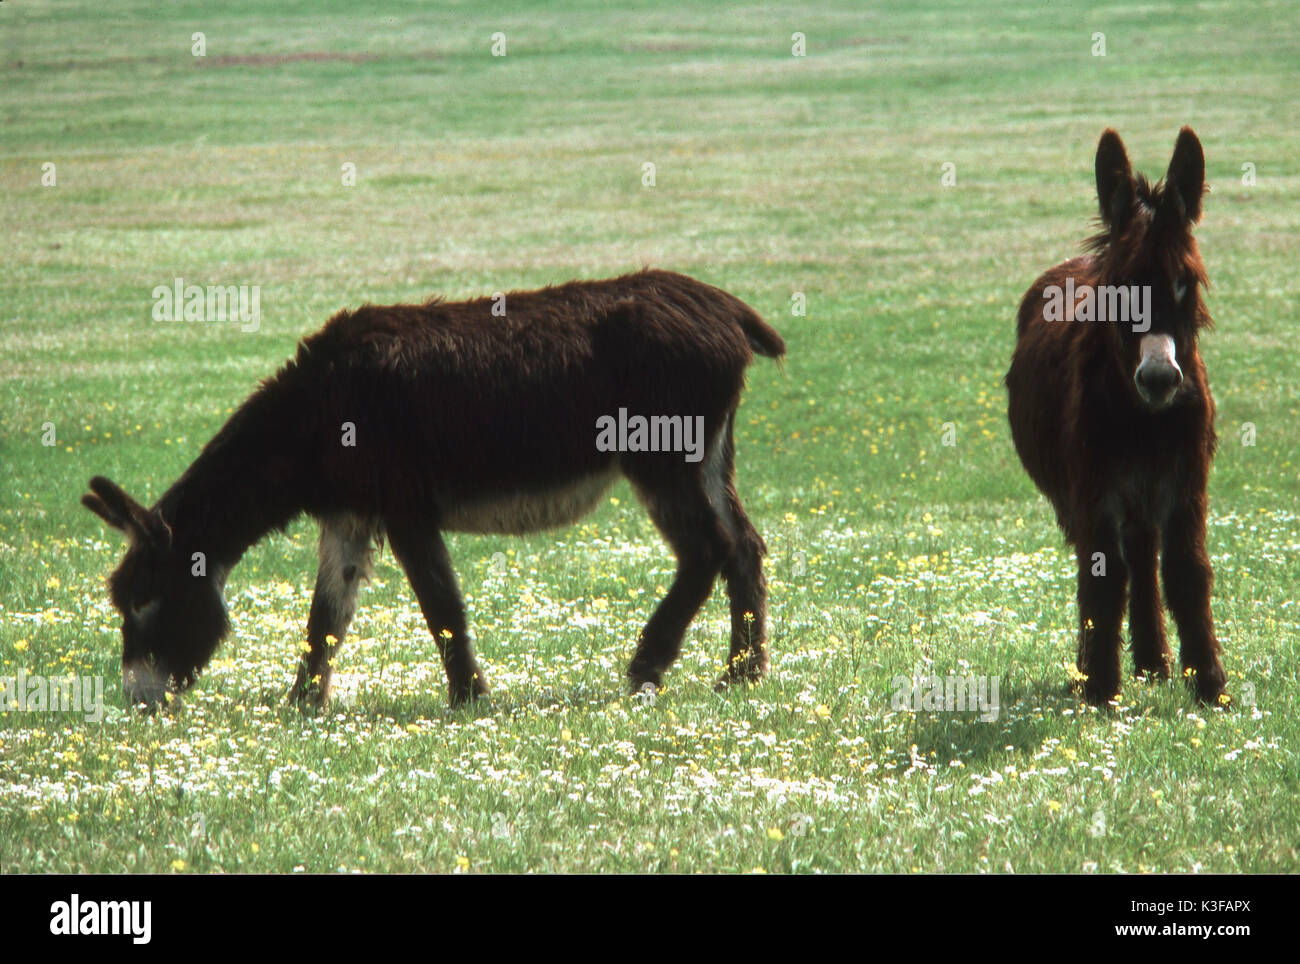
238, 487
1146, 200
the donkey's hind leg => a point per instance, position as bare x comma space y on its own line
346, 544
420, 549
682, 512
743, 569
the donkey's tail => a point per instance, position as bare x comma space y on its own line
762, 337
722, 306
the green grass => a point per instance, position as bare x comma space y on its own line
774, 175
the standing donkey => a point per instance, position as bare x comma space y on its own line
414, 420
1115, 424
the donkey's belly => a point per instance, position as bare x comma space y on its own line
519, 512
1141, 491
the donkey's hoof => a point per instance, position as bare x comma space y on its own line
728, 680
463, 693
1099, 696
743, 670
1211, 686
311, 696
1153, 669
1098, 691
312, 703
639, 676
645, 684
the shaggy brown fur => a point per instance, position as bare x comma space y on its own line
1123, 449
461, 421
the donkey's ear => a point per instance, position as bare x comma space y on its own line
98, 506
1185, 182
108, 501
1114, 181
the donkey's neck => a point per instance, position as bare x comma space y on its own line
245, 483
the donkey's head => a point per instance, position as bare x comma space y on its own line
1146, 246
172, 619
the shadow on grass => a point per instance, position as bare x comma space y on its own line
1029, 714
374, 704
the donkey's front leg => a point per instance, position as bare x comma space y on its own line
1146, 617
421, 552
1188, 581
345, 559
1103, 586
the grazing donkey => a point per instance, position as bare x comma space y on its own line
412, 420
1114, 421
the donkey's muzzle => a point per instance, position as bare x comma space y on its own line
143, 683
1158, 375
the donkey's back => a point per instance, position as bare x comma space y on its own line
567, 328
490, 408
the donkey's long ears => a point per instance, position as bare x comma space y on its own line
98, 506
1185, 182
108, 501
1114, 181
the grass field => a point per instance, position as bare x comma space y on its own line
774, 175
